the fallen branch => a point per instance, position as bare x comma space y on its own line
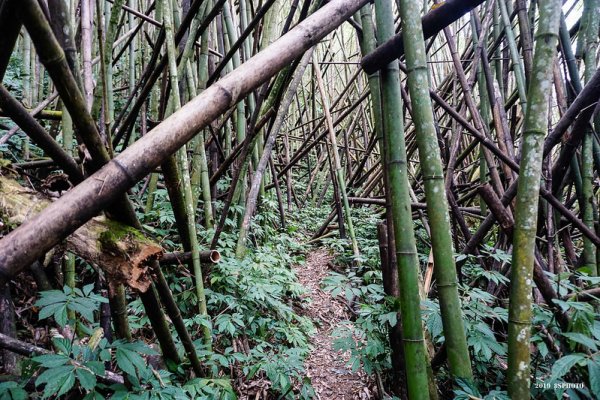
586, 295
26, 349
181, 257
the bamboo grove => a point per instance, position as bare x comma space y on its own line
468, 127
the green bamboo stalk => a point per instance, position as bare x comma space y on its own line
26, 69
435, 193
525, 37
535, 128
104, 89
514, 53
118, 311
497, 31
183, 165
69, 259
132, 59
152, 186
240, 111
591, 8
587, 194
368, 44
339, 170
86, 51
200, 179
406, 248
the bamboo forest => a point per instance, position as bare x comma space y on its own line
301, 199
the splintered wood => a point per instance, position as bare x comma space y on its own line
121, 252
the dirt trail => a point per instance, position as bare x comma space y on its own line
330, 376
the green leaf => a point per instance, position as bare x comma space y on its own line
55, 379
84, 307
594, 374
48, 311
66, 385
564, 365
12, 391
96, 367
50, 297
253, 371
124, 362
93, 396
582, 339
62, 345
60, 315
53, 374
87, 289
86, 379
51, 360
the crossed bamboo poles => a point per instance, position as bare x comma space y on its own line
119, 170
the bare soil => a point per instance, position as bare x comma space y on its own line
331, 377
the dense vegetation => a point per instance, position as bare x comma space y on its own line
167, 167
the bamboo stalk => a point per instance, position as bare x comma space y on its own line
183, 167
527, 202
339, 171
435, 192
590, 36
405, 246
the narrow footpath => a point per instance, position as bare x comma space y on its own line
331, 377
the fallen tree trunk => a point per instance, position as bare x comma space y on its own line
120, 251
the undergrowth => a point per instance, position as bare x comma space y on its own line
575, 373
260, 338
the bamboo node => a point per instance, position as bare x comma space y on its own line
130, 180
517, 322
444, 285
433, 177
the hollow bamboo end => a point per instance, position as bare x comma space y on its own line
215, 256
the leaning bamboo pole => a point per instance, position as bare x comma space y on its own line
87, 199
435, 192
251, 199
337, 164
526, 208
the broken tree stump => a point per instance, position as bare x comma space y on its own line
120, 251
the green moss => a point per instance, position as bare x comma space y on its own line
118, 232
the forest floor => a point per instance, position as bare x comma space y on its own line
327, 368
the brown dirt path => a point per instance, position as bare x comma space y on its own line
326, 368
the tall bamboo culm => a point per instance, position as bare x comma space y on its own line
435, 193
589, 36
337, 163
526, 209
406, 249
